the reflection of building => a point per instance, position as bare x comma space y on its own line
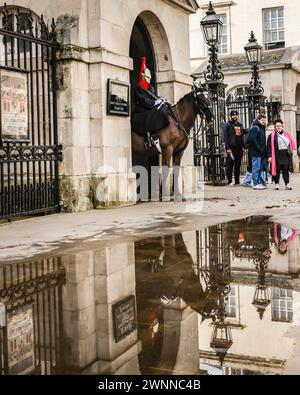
268, 345
31, 293
191, 290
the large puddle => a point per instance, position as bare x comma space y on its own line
223, 300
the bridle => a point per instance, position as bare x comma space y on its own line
197, 93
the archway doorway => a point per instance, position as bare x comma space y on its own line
141, 45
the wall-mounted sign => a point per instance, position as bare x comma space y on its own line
118, 96
20, 339
124, 318
14, 105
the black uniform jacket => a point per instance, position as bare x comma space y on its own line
146, 117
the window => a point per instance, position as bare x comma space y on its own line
223, 47
273, 22
282, 305
230, 304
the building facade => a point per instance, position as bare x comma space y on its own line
101, 41
277, 30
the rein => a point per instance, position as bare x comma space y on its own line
180, 126
179, 123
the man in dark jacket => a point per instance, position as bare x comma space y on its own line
257, 139
150, 113
234, 144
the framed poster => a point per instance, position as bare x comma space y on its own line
20, 339
14, 120
124, 318
118, 96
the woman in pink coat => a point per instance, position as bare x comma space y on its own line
280, 146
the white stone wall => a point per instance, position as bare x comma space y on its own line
241, 20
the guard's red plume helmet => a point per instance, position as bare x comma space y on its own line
143, 71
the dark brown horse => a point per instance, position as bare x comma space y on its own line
174, 139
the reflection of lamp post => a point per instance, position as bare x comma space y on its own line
255, 90
216, 274
261, 299
214, 158
221, 339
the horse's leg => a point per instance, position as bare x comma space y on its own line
176, 170
166, 162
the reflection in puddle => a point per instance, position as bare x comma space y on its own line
223, 300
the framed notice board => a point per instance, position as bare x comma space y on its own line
124, 318
118, 96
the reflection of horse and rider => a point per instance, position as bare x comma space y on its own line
170, 273
166, 275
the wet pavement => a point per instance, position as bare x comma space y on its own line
221, 300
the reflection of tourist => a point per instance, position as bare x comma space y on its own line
283, 235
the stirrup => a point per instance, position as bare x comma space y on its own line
157, 144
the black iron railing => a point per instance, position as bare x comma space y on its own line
29, 150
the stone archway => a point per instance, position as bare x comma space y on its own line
149, 39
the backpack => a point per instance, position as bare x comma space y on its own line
247, 142
246, 138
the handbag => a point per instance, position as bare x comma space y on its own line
289, 149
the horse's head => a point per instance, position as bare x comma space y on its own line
203, 103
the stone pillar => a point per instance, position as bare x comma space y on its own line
74, 112
79, 319
181, 322
114, 281
113, 182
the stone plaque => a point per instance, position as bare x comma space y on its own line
124, 318
118, 98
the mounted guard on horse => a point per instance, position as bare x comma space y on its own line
159, 127
150, 113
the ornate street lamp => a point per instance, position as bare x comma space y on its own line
261, 299
214, 151
211, 26
253, 51
255, 90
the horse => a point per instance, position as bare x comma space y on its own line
174, 139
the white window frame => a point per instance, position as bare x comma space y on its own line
221, 45
231, 308
281, 303
275, 26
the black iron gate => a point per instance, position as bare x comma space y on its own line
248, 109
29, 150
